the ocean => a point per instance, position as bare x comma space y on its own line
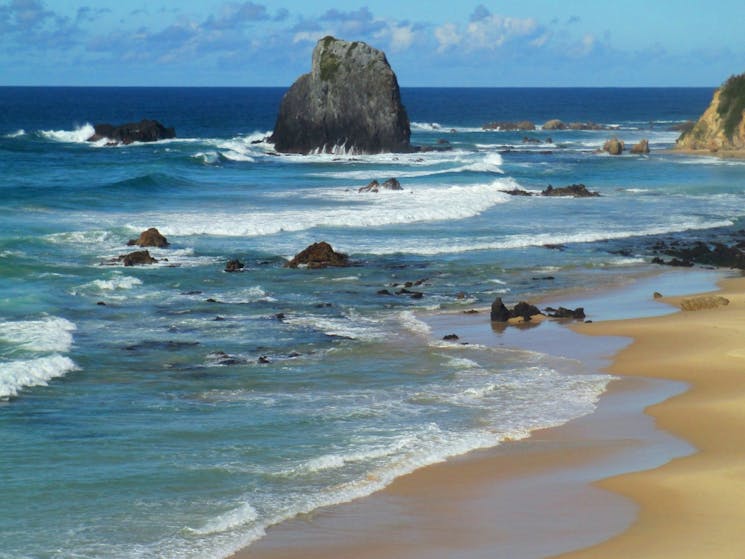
176, 410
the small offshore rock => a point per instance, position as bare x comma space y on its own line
451, 337
573, 190
143, 131
137, 258
562, 312
234, 266
319, 255
614, 146
640, 148
149, 238
657, 295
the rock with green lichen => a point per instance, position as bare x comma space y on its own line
349, 101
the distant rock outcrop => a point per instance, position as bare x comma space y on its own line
509, 125
375, 186
350, 100
614, 146
722, 126
641, 147
143, 131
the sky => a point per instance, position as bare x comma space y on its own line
452, 43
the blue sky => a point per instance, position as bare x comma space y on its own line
434, 43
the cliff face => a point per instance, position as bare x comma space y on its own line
349, 100
722, 126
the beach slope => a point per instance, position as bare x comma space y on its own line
694, 506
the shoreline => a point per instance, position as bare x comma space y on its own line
416, 515
692, 506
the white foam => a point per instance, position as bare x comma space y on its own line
229, 520
459, 245
17, 134
345, 209
51, 334
116, 283
409, 321
353, 327
24, 373
78, 136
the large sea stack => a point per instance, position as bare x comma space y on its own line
722, 126
350, 100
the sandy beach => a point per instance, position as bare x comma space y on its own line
541, 497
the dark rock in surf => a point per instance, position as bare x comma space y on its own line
137, 258
350, 100
143, 131
375, 186
234, 266
318, 255
562, 312
573, 190
149, 238
499, 312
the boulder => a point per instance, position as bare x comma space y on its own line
137, 258
574, 190
350, 100
372, 186
525, 311
614, 146
562, 312
585, 126
234, 266
318, 255
499, 312
149, 238
143, 131
522, 312
640, 147
508, 125
375, 186
554, 124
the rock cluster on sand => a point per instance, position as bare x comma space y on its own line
718, 254
722, 126
349, 100
318, 255
143, 131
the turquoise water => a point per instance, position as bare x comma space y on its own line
152, 425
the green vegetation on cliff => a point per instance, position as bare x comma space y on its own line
732, 103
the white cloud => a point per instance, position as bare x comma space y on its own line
400, 37
447, 36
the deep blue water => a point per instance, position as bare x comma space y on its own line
193, 408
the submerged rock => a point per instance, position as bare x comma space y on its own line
375, 186
349, 100
562, 312
143, 131
149, 238
234, 266
318, 255
574, 190
137, 258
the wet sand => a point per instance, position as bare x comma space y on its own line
535, 497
